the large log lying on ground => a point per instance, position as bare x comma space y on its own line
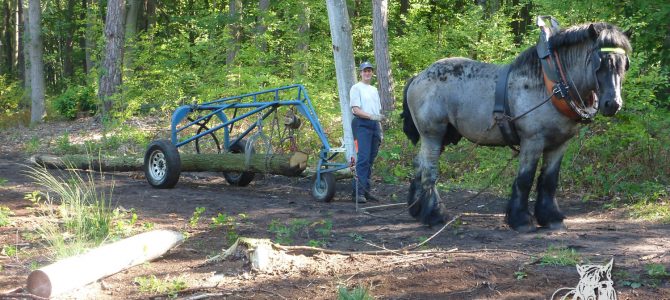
281, 164
77, 271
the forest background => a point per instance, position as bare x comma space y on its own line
180, 51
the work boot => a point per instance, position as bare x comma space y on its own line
359, 199
370, 197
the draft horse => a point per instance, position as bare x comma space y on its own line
580, 69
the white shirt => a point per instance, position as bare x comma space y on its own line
365, 97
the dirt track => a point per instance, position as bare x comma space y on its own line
474, 258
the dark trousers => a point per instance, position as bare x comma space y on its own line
367, 137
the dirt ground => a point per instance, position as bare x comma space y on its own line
476, 257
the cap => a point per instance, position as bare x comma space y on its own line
365, 65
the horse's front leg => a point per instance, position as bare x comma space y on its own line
517, 215
424, 200
547, 212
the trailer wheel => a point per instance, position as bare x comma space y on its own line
324, 189
162, 164
239, 178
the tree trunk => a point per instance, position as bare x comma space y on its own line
261, 27
26, 54
7, 38
404, 10
111, 65
235, 30
131, 31
281, 164
20, 60
37, 111
302, 47
380, 38
89, 35
70, 23
343, 53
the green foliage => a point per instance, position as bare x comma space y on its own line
519, 275
357, 293
286, 233
75, 99
229, 224
152, 285
656, 270
560, 256
5, 214
9, 250
3, 181
195, 218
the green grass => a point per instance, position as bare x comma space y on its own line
76, 214
152, 285
357, 293
5, 214
560, 256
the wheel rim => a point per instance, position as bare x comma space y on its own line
157, 165
320, 187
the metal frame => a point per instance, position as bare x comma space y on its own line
221, 107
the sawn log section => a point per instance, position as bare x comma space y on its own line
292, 164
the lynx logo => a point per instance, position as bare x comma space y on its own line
595, 283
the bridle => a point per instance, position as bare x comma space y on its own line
564, 95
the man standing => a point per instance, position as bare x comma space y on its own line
366, 106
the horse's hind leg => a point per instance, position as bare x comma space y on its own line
518, 217
423, 194
547, 212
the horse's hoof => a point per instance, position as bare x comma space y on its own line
556, 226
528, 228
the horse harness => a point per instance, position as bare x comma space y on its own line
566, 100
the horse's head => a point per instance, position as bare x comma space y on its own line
609, 62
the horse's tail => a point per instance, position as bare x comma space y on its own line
408, 125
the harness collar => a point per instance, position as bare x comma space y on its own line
563, 96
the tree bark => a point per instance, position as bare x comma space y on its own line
20, 59
89, 36
343, 53
261, 27
26, 54
302, 47
111, 65
235, 30
380, 38
68, 65
131, 31
280, 164
37, 111
7, 31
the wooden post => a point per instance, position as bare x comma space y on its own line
77, 271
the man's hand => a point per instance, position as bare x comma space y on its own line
377, 117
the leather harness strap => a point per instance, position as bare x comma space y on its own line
501, 111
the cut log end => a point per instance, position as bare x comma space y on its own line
39, 284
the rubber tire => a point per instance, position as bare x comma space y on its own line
324, 190
162, 164
236, 178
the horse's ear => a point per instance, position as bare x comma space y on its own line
608, 266
593, 31
628, 33
581, 270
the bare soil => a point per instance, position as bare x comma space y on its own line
475, 257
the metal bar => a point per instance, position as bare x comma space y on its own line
381, 206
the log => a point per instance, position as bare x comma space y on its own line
77, 271
281, 164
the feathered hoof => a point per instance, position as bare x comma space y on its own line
527, 228
555, 226
435, 218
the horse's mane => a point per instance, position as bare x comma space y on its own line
600, 34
